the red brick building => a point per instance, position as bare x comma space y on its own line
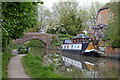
105, 14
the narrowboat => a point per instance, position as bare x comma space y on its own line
80, 44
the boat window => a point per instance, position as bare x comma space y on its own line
67, 46
72, 62
72, 46
77, 41
78, 46
75, 46
64, 59
64, 46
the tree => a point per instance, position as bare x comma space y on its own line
93, 10
44, 15
66, 18
17, 17
84, 14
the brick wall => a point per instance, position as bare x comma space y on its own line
104, 16
110, 51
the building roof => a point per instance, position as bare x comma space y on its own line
104, 7
81, 36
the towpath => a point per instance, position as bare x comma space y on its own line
15, 68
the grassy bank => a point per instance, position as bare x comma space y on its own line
5, 60
34, 67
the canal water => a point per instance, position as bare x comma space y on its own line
78, 66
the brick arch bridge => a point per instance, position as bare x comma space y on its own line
45, 38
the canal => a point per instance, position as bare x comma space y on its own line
78, 66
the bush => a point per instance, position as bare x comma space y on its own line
63, 35
61, 39
57, 44
115, 44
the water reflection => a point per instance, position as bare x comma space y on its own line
78, 66
92, 67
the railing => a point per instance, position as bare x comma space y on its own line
19, 49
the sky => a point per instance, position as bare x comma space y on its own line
83, 3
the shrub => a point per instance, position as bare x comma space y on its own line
115, 44
5, 60
57, 44
64, 35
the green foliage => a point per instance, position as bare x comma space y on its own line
63, 35
34, 29
66, 18
5, 60
23, 51
14, 46
51, 31
112, 32
35, 43
93, 10
17, 17
57, 44
53, 41
115, 44
44, 17
34, 67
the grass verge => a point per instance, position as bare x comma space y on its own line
34, 67
5, 60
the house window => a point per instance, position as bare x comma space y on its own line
110, 16
99, 18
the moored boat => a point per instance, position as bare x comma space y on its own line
79, 45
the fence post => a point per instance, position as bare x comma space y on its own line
27, 49
18, 48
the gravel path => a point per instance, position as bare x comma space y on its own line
15, 68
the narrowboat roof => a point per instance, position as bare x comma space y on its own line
67, 41
81, 36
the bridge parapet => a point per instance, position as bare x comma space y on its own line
45, 38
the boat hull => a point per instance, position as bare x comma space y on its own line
78, 52
91, 53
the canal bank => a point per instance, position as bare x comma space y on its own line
102, 54
110, 56
88, 67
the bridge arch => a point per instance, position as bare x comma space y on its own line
45, 38
34, 39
